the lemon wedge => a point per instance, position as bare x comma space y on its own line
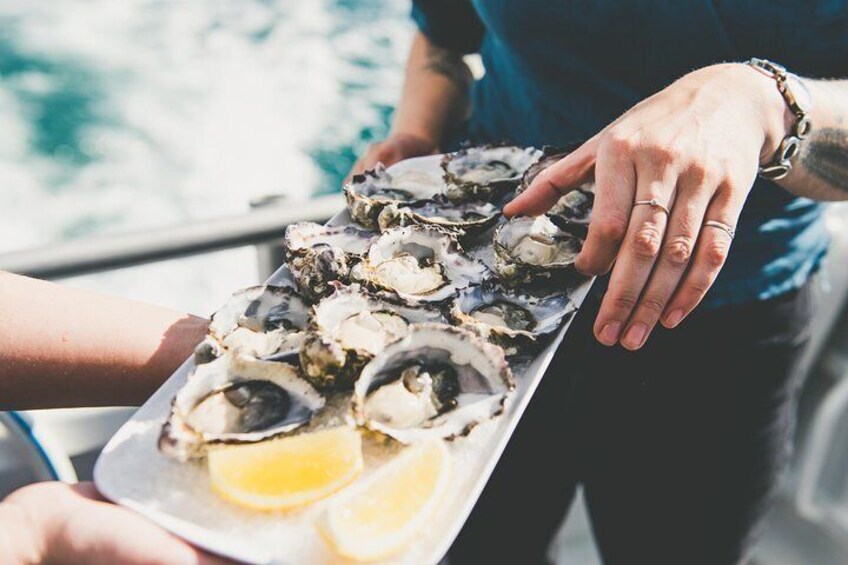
288, 472
379, 516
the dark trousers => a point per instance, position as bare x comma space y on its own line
676, 446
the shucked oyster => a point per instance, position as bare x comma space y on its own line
369, 192
236, 399
348, 328
507, 318
438, 381
260, 321
535, 249
459, 218
480, 172
418, 264
575, 206
318, 255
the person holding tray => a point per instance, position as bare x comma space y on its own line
705, 224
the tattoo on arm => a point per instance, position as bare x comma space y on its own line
826, 156
450, 65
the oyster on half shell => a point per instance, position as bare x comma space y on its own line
575, 206
236, 399
317, 255
460, 218
438, 381
260, 321
369, 192
348, 328
418, 264
478, 173
535, 249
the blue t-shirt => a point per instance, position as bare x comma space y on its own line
560, 70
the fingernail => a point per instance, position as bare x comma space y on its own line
609, 333
635, 336
674, 318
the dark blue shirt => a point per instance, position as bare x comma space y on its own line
560, 70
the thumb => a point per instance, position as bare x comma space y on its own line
560, 178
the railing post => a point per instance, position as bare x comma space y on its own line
269, 255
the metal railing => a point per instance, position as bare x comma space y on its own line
262, 225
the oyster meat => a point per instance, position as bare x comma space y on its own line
535, 249
438, 381
236, 399
478, 173
369, 192
318, 255
260, 321
459, 218
348, 328
418, 264
508, 318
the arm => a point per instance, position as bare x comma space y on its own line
62, 347
434, 99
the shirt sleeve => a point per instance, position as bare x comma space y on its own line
450, 24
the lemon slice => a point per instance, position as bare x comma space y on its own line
380, 516
288, 472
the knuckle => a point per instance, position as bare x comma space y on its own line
653, 304
715, 254
697, 288
664, 155
619, 141
624, 300
646, 242
678, 251
610, 228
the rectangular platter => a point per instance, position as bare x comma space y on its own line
132, 472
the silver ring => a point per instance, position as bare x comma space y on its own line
652, 202
722, 226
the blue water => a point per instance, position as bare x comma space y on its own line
129, 115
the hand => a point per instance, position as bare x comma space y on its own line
695, 148
59, 523
396, 147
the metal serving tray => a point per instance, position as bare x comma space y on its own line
177, 496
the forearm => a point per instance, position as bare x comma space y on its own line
820, 171
63, 347
435, 93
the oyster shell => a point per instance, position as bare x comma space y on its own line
260, 321
507, 318
459, 218
318, 255
535, 249
369, 192
418, 264
481, 172
236, 399
348, 328
438, 381
575, 206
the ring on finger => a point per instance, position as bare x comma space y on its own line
722, 226
654, 203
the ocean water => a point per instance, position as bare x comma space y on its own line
135, 114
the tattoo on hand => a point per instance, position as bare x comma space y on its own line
450, 65
826, 156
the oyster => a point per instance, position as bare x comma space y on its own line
369, 192
481, 172
438, 381
535, 249
575, 206
458, 218
419, 264
507, 318
236, 399
260, 321
348, 328
318, 255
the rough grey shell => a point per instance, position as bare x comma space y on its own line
317, 255
438, 381
368, 193
348, 328
419, 264
508, 318
534, 249
460, 218
479, 173
236, 399
575, 206
260, 321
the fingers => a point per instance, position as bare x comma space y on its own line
635, 262
687, 215
710, 255
558, 179
386, 153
